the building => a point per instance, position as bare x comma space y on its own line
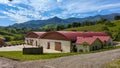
86, 44
2, 42
65, 41
106, 40
32, 38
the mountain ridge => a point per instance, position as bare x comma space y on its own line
57, 20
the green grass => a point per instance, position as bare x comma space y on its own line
97, 27
117, 23
17, 55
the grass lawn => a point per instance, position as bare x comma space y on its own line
17, 55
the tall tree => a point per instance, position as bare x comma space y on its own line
117, 18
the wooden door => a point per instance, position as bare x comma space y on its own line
58, 46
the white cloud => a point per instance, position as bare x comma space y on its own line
43, 5
16, 17
4, 1
41, 8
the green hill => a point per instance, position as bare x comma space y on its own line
97, 27
113, 30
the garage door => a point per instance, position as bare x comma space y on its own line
58, 46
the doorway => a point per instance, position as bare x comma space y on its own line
58, 46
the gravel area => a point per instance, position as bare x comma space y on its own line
93, 60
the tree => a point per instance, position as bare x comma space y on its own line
69, 25
9, 38
101, 20
105, 28
117, 36
60, 27
87, 23
76, 24
117, 18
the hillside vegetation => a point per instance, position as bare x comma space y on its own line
113, 30
96, 27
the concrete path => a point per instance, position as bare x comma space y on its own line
93, 60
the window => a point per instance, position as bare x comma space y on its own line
48, 46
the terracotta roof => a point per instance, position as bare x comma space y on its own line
34, 34
72, 35
39, 33
103, 38
88, 40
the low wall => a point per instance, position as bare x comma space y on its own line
33, 50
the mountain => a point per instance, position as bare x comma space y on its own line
38, 23
94, 18
56, 20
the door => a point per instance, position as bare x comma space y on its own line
48, 46
58, 46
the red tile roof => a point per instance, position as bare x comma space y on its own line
88, 40
103, 38
34, 34
39, 33
72, 35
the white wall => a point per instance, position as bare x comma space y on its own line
65, 45
34, 41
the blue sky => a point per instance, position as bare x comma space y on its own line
19, 11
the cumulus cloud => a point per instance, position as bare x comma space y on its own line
4, 1
44, 9
16, 17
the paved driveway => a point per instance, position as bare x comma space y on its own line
93, 60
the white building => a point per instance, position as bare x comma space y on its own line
64, 41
